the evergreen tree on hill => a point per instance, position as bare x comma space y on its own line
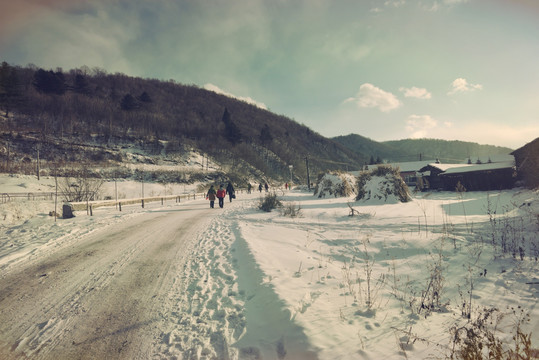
9, 87
232, 132
49, 82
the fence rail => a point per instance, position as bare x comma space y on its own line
83, 205
90, 205
31, 196
43, 196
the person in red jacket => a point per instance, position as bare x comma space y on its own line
221, 193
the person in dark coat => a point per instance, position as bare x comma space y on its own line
260, 187
230, 191
211, 196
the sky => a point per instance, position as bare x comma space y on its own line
384, 69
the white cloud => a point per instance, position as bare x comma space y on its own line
419, 125
415, 92
248, 100
438, 5
395, 3
369, 96
462, 85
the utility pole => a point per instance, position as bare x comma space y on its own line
142, 189
38, 163
308, 178
290, 167
7, 162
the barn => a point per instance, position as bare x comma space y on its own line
493, 174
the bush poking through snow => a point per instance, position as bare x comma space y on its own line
479, 339
269, 202
291, 210
382, 184
335, 184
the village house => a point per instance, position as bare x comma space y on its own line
475, 174
478, 174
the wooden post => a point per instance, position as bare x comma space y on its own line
142, 203
120, 204
91, 212
38, 164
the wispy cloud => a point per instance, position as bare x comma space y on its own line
438, 5
462, 85
247, 99
415, 92
370, 96
419, 125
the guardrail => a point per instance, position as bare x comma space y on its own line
88, 206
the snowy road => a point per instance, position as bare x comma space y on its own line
100, 297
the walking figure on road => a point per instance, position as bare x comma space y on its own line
211, 196
221, 193
230, 191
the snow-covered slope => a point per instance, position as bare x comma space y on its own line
399, 282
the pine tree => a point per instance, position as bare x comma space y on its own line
265, 134
49, 82
10, 91
232, 132
128, 102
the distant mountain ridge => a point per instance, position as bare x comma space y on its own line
447, 151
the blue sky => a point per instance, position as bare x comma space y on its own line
389, 69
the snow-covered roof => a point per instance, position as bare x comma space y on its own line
479, 167
495, 163
408, 166
445, 167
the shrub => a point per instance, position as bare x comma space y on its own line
269, 202
291, 210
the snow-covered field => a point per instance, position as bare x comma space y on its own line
393, 281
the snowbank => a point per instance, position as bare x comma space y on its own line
336, 184
382, 185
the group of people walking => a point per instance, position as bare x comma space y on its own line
220, 194
260, 187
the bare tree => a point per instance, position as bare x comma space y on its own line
80, 185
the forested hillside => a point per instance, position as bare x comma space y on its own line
90, 106
444, 150
416, 149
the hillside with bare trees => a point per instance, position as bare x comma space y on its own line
85, 115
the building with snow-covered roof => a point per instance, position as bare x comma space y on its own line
478, 176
